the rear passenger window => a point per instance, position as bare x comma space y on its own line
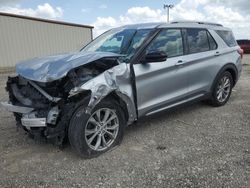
228, 37
212, 43
197, 40
168, 41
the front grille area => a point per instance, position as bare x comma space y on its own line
22, 93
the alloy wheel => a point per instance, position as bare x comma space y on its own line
102, 129
223, 89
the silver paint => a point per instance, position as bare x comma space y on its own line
159, 85
52, 68
116, 79
101, 132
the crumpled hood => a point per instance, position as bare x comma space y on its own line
52, 68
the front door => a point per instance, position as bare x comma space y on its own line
160, 84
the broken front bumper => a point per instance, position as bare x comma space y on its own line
28, 120
33, 122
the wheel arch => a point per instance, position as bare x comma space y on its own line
120, 98
231, 68
125, 103
233, 71
114, 96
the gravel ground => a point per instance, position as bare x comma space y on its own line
193, 146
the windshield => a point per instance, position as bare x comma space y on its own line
120, 41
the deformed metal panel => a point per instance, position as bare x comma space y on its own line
116, 79
52, 68
19, 109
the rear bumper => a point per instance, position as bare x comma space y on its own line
27, 120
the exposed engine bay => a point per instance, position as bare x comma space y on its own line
44, 109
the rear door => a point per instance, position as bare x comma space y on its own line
201, 62
160, 84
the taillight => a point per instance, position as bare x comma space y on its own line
241, 52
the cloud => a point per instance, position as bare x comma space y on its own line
103, 24
201, 10
242, 6
225, 15
145, 11
42, 11
191, 4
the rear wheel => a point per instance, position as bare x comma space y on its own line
91, 135
222, 89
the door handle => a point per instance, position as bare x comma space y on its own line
217, 53
180, 62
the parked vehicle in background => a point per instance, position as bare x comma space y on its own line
124, 74
245, 45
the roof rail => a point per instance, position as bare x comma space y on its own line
198, 22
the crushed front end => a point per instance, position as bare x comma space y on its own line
43, 99
45, 94
37, 107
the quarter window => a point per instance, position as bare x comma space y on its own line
228, 37
168, 41
197, 40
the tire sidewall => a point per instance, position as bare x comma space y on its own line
216, 102
78, 123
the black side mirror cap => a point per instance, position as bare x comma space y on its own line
155, 57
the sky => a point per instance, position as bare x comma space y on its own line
106, 14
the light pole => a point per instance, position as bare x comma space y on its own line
168, 7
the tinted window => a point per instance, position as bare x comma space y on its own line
197, 40
212, 43
228, 37
168, 41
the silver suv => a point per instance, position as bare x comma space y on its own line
132, 71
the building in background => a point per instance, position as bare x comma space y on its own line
23, 37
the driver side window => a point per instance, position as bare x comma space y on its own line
168, 41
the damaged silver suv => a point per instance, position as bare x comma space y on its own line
132, 71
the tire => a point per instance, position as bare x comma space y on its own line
83, 128
220, 93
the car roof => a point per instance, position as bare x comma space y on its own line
176, 24
194, 24
143, 25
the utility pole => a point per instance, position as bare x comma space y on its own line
168, 7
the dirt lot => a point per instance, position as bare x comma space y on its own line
194, 146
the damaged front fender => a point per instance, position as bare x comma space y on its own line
116, 79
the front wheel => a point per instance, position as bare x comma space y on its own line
222, 89
94, 134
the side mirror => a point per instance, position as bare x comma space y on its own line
155, 57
